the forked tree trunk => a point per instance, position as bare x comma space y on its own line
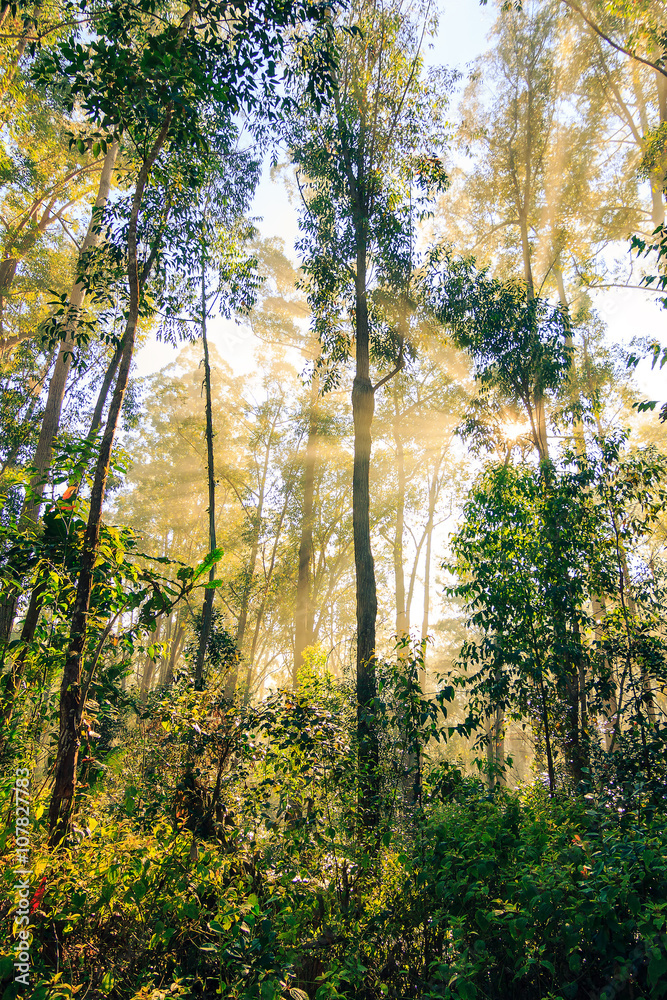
71, 701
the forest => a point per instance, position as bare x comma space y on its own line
333, 570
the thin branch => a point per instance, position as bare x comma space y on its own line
610, 41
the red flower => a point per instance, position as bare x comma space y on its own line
38, 895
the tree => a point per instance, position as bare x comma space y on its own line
358, 161
519, 343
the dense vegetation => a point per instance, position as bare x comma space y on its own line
346, 678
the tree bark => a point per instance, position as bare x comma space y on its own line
174, 652
658, 182
363, 406
402, 621
265, 595
149, 665
51, 417
232, 680
432, 499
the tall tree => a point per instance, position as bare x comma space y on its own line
358, 161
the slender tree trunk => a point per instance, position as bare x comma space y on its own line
610, 709
627, 599
658, 182
363, 405
71, 703
174, 652
164, 662
207, 611
265, 594
54, 403
525, 250
538, 416
149, 665
303, 618
648, 695
105, 388
432, 498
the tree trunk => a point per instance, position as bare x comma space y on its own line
207, 611
149, 665
432, 498
658, 182
627, 599
54, 403
174, 652
363, 406
107, 382
525, 250
164, 662
648, 696
265, 595
303, 618
53, 409
71, 703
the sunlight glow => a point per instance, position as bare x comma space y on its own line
513, 429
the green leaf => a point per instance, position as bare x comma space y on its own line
211, 559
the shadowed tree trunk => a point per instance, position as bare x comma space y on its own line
71, 702
363, 407
207, 610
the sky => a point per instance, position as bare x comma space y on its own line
464, 27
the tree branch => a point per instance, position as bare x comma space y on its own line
610, 41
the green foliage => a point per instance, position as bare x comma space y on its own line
371, 164
517, 342
501, 896
546, 899
535, 550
